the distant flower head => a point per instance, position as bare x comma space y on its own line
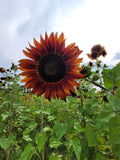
97, 51
90, 64
2, 70
103, 52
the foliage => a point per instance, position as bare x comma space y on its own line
85, 127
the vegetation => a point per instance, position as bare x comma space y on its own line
85, 127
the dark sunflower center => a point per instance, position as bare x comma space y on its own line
52, 68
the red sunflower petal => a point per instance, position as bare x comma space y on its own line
76, 75
47, 91
61, 92
53, 90
35, 51
29, 55
52, 42
41, 89
68, 48
44, 44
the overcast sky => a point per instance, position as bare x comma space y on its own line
86, 22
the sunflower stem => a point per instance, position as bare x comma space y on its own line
98, 68
42, 119
83, 117
100, 86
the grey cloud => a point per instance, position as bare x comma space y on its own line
22, 20
116, 56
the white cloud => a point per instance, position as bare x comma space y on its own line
86, 22
96, 21
18, 20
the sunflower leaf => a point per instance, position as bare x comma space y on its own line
114, 125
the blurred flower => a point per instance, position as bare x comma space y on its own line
103, 52
97, 51
98, 63
2, 70
90, 64
53, 67
3, 78
96, 48
86, 70
12, 67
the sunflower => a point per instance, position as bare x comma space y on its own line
90, 64
52, 68
103, 53
2, 70
97, 51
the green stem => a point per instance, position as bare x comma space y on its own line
83, 117
42, 120
99, 72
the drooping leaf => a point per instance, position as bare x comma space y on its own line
6, 142
55, 143
5, 115
114, 130
84, 149
27, 153
31, 127
76, 146
60, 129
40, 139
91, 135
27, 138
78, 127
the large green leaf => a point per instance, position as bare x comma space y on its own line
108, 83
91, 107
91, 135
115, 102
117, 93
114, 73
6, 142
27, 153
60, 129
106, 114
111, 76
114, 130
40, 140
84, 149
116, 148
